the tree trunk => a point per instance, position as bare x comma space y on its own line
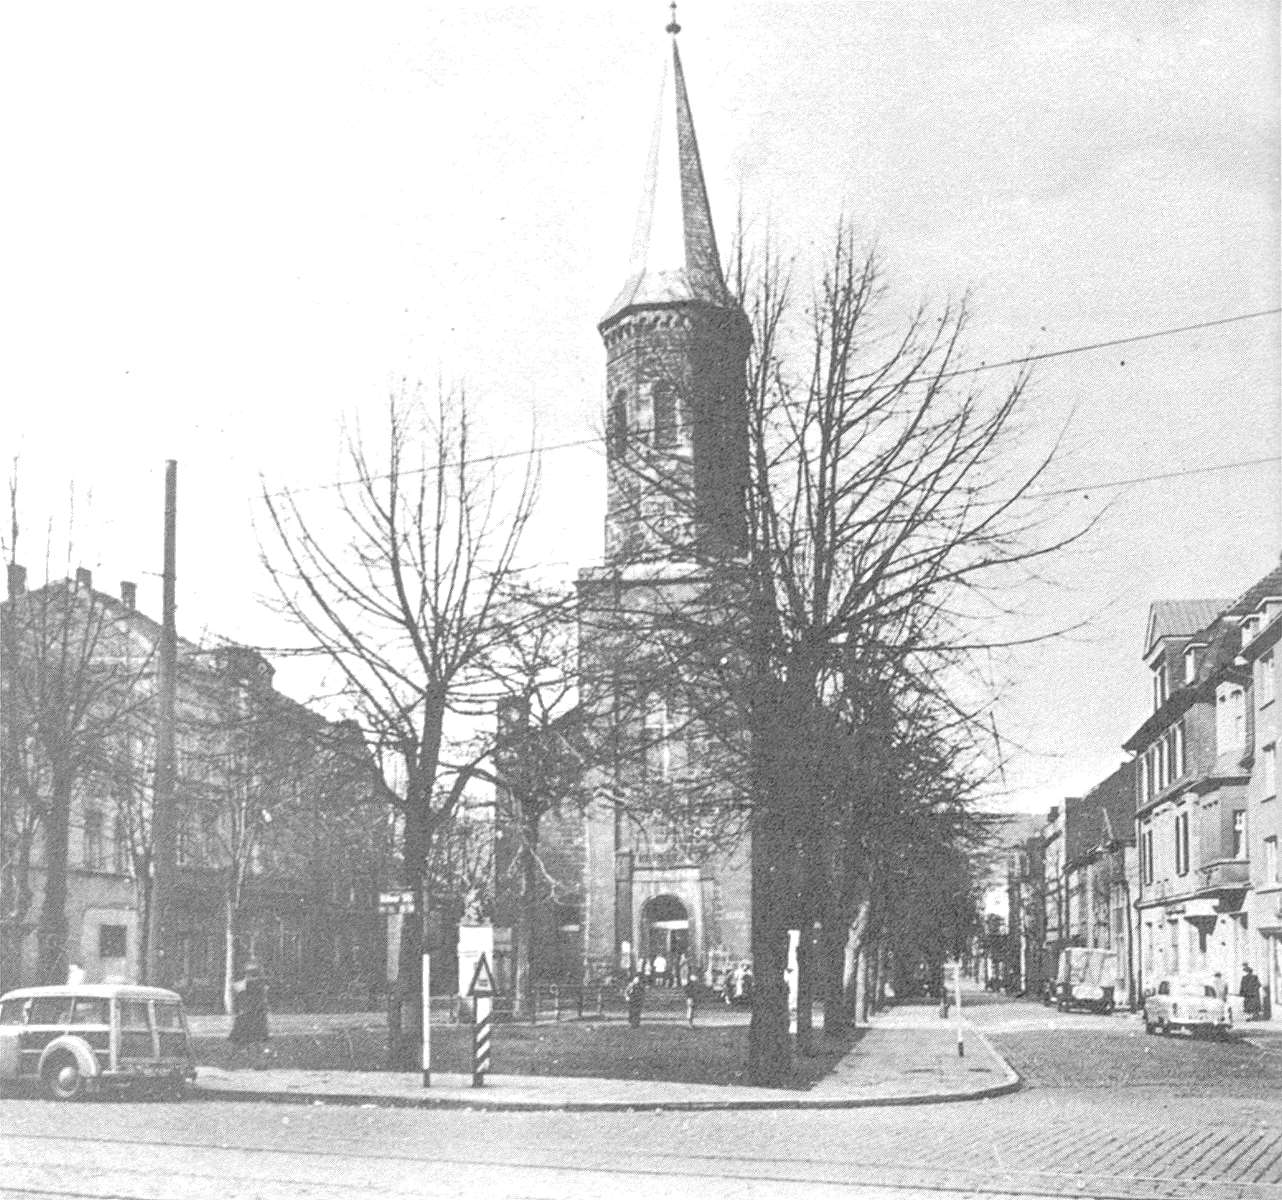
405, 1048
230, 907
832, 961
525, 914
52, 935
856, 978
769, 1051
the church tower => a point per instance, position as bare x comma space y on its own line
655, 881
676, 344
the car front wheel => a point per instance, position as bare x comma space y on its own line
63, 1078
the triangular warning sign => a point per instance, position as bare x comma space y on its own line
482, 979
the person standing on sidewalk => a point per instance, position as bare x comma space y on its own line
1249, 990
250, 1023
634, 994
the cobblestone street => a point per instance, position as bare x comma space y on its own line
1106, 1111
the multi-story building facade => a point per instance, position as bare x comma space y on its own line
1259, 617
280, 846
1194, 769
1100, 872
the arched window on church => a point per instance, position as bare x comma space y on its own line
616, 421
666, 430
643, 420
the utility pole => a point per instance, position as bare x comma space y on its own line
164, 825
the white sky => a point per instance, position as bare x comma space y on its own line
227, 227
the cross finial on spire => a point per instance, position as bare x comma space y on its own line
672, 27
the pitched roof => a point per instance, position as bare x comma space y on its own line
674, 252
1248, 601
1180, 618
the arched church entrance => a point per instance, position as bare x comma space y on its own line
665, 938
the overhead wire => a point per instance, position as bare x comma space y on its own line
1086, 348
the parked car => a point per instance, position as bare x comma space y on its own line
74, 1039
1086, 979
1187, 1002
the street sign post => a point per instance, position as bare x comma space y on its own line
398, 902
427, 1020
961, 1045
482, 993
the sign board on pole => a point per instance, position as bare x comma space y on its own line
482, 980
391, 903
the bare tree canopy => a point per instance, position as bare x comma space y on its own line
406, 582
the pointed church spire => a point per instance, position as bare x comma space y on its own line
675, 256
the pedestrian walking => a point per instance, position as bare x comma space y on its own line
692, 998
250, 1022
634, 995
1249, 990
660, 969
1221, 986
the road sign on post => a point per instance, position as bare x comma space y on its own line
427, 1020
392, 903
482, 993
961, 1045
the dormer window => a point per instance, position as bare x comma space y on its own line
1250, 627
1161, 685
1190, 664
1230, 718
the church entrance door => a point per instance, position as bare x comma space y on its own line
665, 938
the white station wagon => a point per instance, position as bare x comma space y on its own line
76, 1038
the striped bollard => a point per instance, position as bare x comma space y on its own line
481, 1040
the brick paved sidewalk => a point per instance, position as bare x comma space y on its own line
904, 1057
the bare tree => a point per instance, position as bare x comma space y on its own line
406, 589
883, 506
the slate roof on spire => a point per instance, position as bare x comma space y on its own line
674, 253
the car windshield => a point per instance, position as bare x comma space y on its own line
1188, 988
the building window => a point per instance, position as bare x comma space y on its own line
112, 941
1269, 769
1146, 855
1230, 719
1182, 843
1177, 737
120, 847
1249, 628
1160, 686
617, 422
1266, 679
1239, 833
1271, 860
185, 849
1190, 664
657, 749
1141, 780
93, 855
645, 415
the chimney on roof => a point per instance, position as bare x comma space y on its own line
84, 578
1053, 815
17, 580
129, 594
